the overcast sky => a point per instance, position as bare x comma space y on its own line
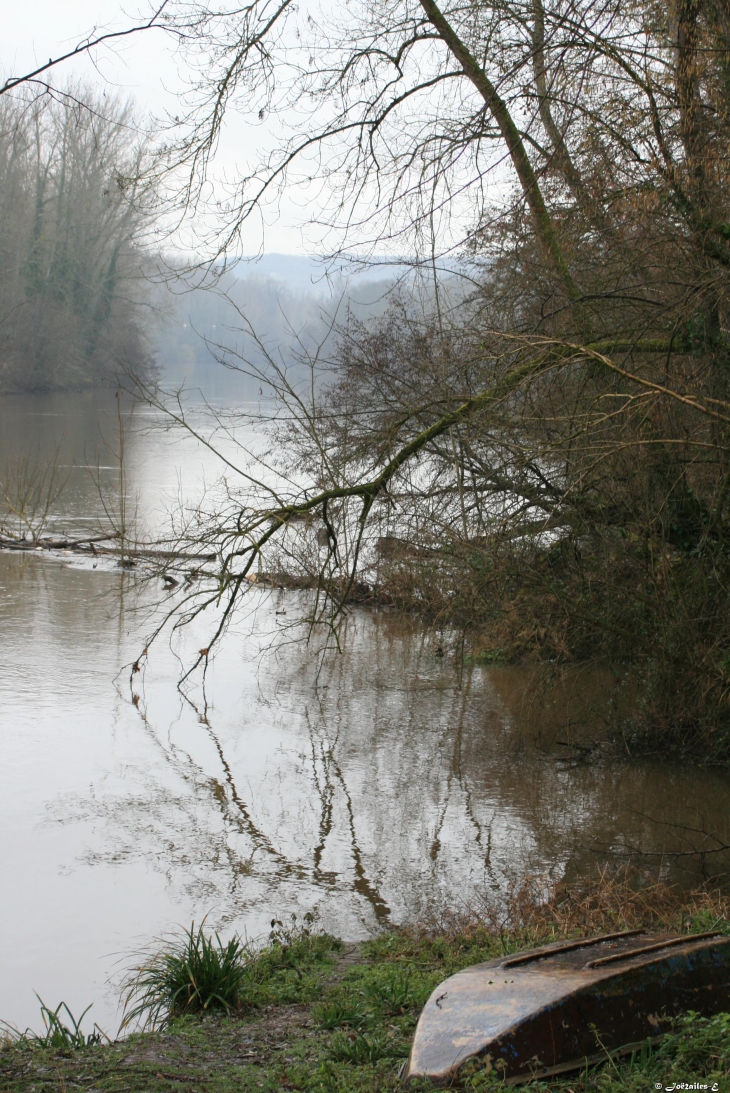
143, 66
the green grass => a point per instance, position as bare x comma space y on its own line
334, 1015
319, 1019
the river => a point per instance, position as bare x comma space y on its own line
375, 786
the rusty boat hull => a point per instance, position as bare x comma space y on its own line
549, 1010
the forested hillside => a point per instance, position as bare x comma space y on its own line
71, 263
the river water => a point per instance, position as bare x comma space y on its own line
375, 786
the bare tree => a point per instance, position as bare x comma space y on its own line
38, 78
73, 243
579, 404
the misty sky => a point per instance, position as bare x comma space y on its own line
143, 66
146, 67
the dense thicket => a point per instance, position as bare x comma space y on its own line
71, 262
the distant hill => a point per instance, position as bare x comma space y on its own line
288, 301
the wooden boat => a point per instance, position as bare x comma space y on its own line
540, 1013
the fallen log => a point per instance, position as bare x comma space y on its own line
85, 546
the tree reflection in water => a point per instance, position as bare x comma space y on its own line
377, 786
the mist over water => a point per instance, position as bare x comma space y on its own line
372, 787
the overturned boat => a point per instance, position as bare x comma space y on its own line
546, 1011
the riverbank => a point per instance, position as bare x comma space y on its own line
329, 1017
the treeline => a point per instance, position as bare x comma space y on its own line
71, 258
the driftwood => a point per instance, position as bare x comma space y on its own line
89, 546
84, 545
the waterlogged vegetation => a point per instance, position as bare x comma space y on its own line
309, 1012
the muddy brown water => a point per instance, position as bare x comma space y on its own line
381, 785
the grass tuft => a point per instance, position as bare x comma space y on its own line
394, 994
193, 973
58, 1035
334, 1015
362, 1048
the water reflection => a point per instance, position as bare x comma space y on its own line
374, 787
80, 433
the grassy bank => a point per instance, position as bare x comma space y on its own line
323, 1016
